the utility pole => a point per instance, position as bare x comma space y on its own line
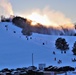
32, 60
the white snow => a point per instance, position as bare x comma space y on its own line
16, 50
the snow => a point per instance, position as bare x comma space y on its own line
16, 50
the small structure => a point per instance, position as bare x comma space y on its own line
42, 66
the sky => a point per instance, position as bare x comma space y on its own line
66, 7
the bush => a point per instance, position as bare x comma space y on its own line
26, 31
61, 44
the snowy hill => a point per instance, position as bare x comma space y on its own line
16, 50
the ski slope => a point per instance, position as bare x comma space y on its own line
16, 50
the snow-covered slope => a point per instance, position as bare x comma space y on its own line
16, 50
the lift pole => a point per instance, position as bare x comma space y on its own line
32, 60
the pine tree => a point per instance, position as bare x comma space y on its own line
61, 44
74, 48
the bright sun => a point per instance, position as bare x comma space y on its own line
42, 19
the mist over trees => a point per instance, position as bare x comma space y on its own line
25, 24
28, 29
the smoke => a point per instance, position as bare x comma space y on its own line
5, 8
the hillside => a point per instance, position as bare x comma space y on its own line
16, 50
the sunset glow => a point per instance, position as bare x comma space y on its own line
49, 18
42, 19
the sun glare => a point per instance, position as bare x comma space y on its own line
42, 19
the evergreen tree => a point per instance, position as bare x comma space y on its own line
61, 44
74, 48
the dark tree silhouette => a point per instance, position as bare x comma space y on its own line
74, 48
61, 44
